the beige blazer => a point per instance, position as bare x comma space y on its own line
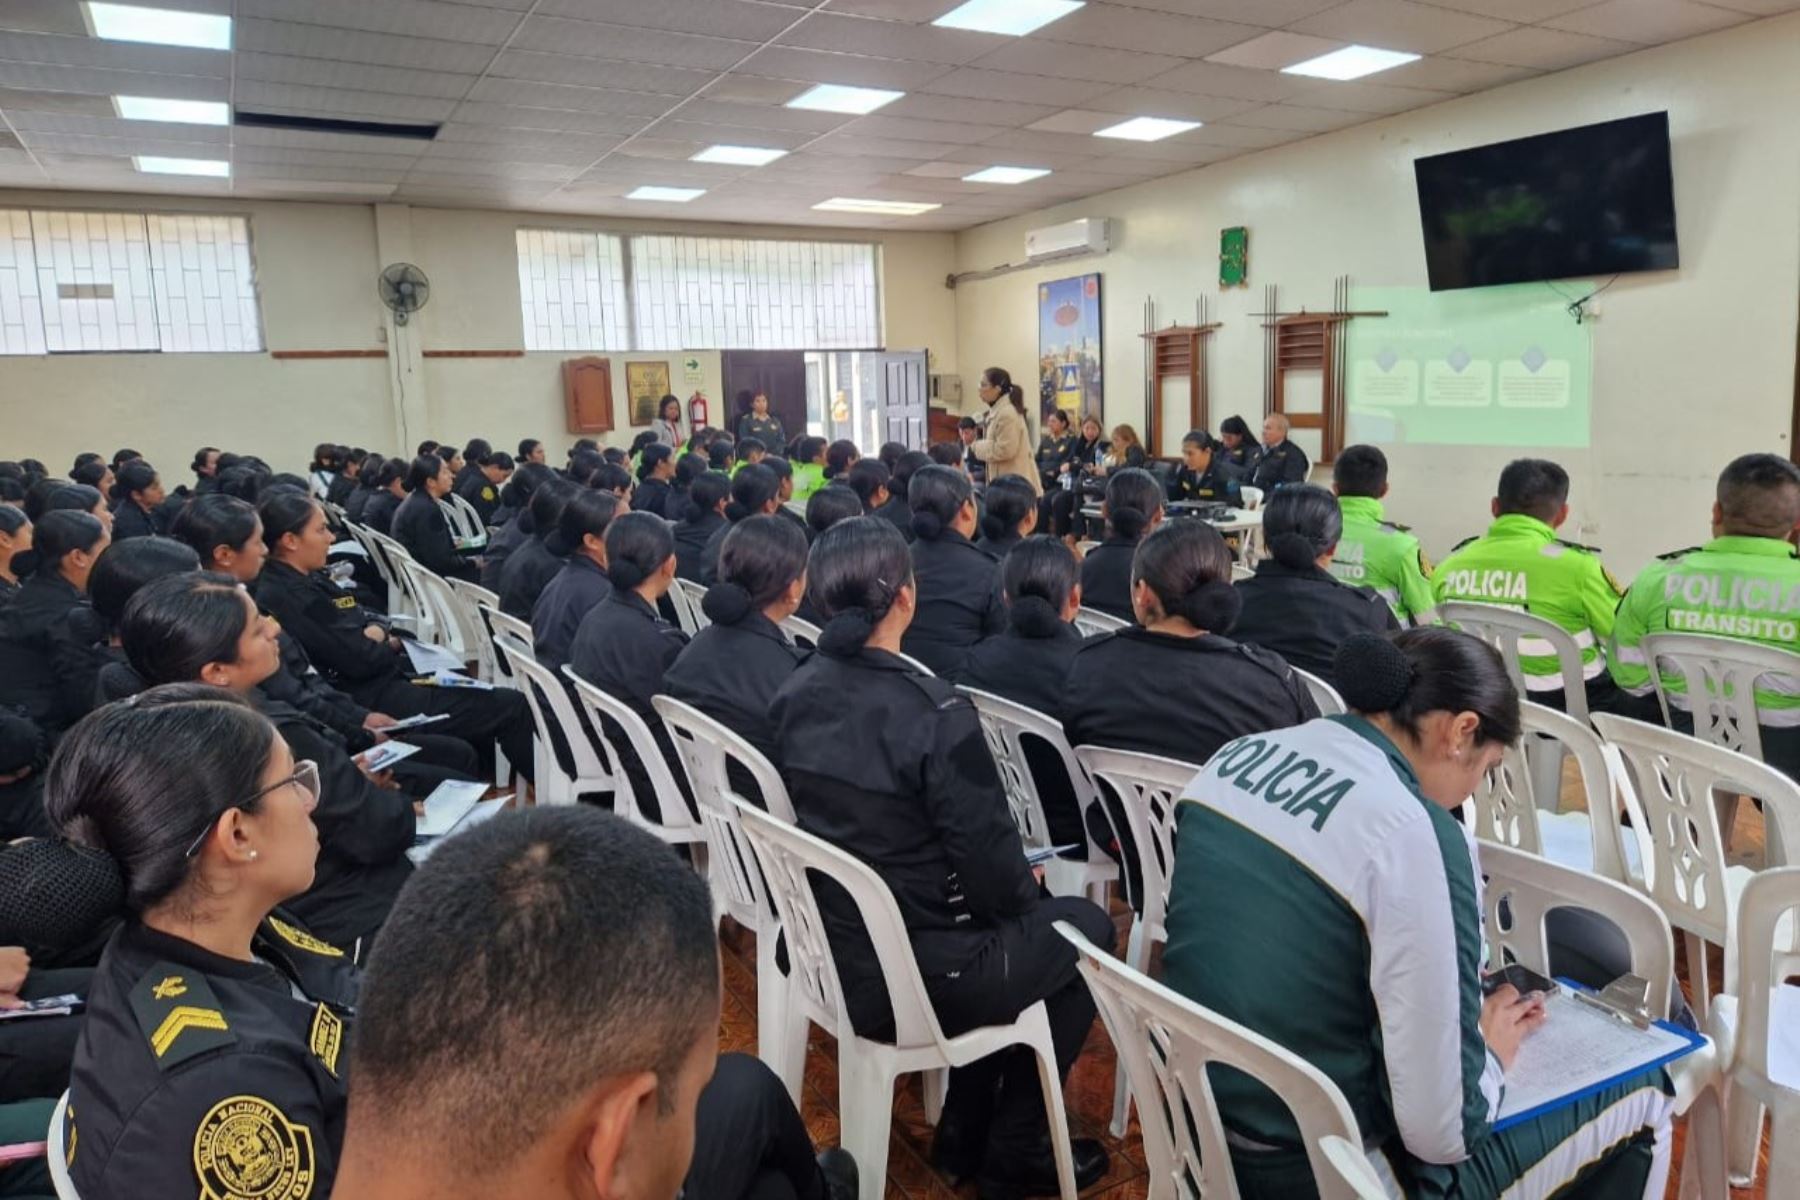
1005, 445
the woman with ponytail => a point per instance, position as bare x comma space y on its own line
1010, 517
1324, 864
702, 516
656, 468
582, 583
733, 668
755, 491
1174, 684
137, 496
840, 456
1133, 508
1004, 443
43, 658
1294, 605
959, 600
15, 550
514, 525
889, 765
623, 646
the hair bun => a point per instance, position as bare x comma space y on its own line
625, 574
1293, 550
926, 524
1372, 674
1213, 606
846, 633
1034, 616
726, 603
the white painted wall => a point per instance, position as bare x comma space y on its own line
316, 267
1690, 367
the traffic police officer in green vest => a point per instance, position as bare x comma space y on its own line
1521, 563
1374, 552
1744, 584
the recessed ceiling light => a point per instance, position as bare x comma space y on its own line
739, 156
886, 208
1352, 62
151, 164
161, 26
185, 112
1014, 17
673, 195
1006, 175
838, 97
1146, 129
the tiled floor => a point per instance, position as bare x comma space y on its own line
1089, 1091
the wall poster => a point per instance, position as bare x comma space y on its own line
1069, 375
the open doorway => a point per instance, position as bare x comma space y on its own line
867, 397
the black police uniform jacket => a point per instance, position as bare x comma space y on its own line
378, 513
732, 672
1106, 577
130, 521
691, 539
340, 489
527, 573
560, 607
46, 667
623, 648
1272, 466
958, 603
420, 526
889, 765
1218, 483
1182, 698
203, 1075
898, 513
709, 553
502, 546
1305, 615
766, 430
654, 495
329, 623
357, 501
481, 494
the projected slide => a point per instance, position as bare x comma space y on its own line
1503, 366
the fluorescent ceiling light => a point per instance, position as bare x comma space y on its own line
1352, 62
841, 98
1146, 129
673, 195
186, 112
1013, 17
886, 208
151, 164
1006, 175
739, 156
161, 26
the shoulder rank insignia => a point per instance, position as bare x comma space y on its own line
300, 939
1675, 554
245, 1146
179, 1015
326, 1038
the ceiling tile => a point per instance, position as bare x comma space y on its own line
42, 16
587, 72
1648, 21
53, 123
752, 22
1060, 60
762, 116
1544, 49
318, 41
300, 156
405, 18
18, 101
673, 149
942, 170
985, 84
1369, 97
98, 82
1129, 28
280, 171
455, 136
953, 108
1300, 117
863, 147
819, 66
1524, 12
893, 39
1269, 14
324, 72
1245, 137
1275, 50
754, 89
1760, 8
590, 39
880, 125
569, 151
1155, 102
340, 102
1236, 83
349, 143
574, 99
1400, 25
708, 134
517, 117
122, 56
1076, 121
1436, 72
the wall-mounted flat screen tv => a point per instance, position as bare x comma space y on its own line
1597, 200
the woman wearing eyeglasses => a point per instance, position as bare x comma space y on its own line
212, 1061
199, 628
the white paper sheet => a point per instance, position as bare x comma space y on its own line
428, 659
1574, 1049
1784, 1036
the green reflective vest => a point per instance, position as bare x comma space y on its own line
808, 478
1521, 563
1377, 554
1738, 587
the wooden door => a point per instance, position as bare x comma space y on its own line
904, 398
587, 395
779, 374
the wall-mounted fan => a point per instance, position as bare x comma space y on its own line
404, 289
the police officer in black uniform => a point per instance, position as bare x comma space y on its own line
531, 567
1293, 605
41, 654
213, 1056
1205, 474
356, 650
755, 490
702, 515
378, 512
1277, 461
420, 525
959, 603
889, 765
760, 423
582, 583
1132, 508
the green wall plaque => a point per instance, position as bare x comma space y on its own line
1234, 257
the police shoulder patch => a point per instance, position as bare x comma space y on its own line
344, 601
178, 1014
300, 939
488, 493
326, 1037
245, 1146
1675, 554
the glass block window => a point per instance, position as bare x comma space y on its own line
572, 291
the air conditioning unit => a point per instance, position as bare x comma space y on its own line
1089, 235
947, 390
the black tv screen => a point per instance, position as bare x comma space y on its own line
1595, 200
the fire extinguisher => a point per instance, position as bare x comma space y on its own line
696, 412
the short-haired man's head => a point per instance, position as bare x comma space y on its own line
1360, 471
1534, 487
1759, 496
528, 961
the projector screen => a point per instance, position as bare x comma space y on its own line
1505, 366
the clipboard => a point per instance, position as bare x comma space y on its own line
1679, 1044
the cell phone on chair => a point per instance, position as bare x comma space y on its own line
1524, 980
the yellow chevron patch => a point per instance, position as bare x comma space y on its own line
179, 1021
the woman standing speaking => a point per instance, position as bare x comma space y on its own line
1005, 444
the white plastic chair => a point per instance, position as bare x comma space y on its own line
1252, 498
444, 622
404, 602
1509, 813
1529, 887
1089, 621
1722, 674
1085, 547
378, 554
1148, 788
465, 522
707, 749
867, 1069
1322, 693
468, 599
687, 596
1670, 787
677, 826
1006, 726
550, 704
56, 1152
1240, 572
1166, 1045
1744, 1024
802, 633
